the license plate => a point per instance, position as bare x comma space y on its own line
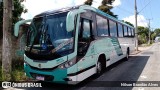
40, 78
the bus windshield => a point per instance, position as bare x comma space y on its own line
48, 38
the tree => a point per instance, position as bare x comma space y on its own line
153, 35
107, 6
88, 2
18, 9
143, 34
1, 19
128, 23
8, 23
157, 31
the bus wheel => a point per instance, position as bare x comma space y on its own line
99, 68
127, 55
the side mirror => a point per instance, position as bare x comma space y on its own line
18, 24
70, 20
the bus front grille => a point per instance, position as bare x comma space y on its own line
43, 69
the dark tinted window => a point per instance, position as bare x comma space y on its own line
120, 30
132, 30
129, 32
113, 28
84, 37
102, 26
125, 31
86, 28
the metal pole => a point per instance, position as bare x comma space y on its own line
136, 31
149, 41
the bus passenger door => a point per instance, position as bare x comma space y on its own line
85, 58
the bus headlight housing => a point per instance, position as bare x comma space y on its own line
68, 63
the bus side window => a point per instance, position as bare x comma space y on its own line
120, 30
129, 32
113, 28
125, 31
84, 36
86, 29
132, 30
102, 26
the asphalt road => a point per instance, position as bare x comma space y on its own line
142, 67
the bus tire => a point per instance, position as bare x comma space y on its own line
99, 68
127, 54
101, 65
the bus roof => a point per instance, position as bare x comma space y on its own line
105, 14
86, 7
57, 11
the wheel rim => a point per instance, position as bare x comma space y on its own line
99, 67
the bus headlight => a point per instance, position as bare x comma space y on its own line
68, 64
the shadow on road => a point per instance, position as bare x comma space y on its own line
119, 72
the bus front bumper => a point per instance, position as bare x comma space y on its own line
57, 75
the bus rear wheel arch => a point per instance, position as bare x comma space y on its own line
127, 53
101, 64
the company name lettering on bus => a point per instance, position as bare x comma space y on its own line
62, 45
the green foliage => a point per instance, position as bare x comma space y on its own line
88, 2
18, 73
157, 31
18, 10
143, 35
128, 23
106, 7
0, 72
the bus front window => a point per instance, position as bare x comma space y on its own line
48, 38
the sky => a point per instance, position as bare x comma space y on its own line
147, 9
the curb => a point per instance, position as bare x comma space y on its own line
136, 52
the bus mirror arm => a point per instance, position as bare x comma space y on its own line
71, 19
18, 24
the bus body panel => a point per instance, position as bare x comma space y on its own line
127, 42
105, 46
56, 74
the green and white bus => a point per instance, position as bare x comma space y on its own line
71, 44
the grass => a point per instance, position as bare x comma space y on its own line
17, 73
0, 72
